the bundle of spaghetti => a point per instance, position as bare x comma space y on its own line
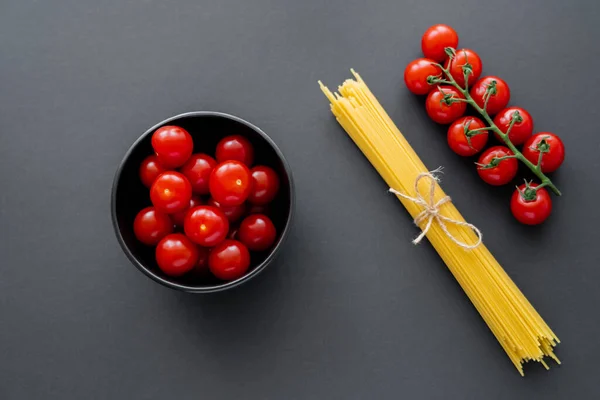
517, 326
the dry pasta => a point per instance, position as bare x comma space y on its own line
518, 327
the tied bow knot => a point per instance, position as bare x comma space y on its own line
431, 211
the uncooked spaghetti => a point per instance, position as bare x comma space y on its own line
518, 327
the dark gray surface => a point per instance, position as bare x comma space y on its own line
352, 310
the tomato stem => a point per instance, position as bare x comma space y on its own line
494, 162
536, 169
487, 128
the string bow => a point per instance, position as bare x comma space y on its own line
431, 211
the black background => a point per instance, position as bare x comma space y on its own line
351, 309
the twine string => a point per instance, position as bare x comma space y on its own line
431, 211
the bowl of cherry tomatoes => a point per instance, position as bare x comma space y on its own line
202, 202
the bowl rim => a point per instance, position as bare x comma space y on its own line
225, 285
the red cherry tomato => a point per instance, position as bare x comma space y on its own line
463, 145
173, 146
171, 192
176, 254
150, 226
496, 101
416, 74
206, 225
464, 56
233, 233
258, 209
521, 130
442, 106
230, 183
265, 185
229, 260
233, 213
178, 218
200, 269
497, 172
552, 148
235, 147
436, 39
530, 206
197, 169
257, 232
150, 169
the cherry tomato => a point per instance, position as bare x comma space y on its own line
464, 56
233, 233
233, 213
463, 145
552, 148
235, 147
496, 101
200, 269
206, 225
436, 39
176, 254
230, 183
442, 106
416, 74
173, 146
265, 185
530, 206
178, 218
258, 209
229, 260
171, 192
257, 232
197, 169
521, 130
501, 172
150, 169
150, 226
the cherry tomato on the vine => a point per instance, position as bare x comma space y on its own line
173, 145
176, 254
443, 104
530, 206
197, 169
229, 260
171, 192
179, 217
150, 226
416, 74
150, 169
521, 130
551, 147
495, 170
467, 145
235, 147
233, 213
462, 57
499, 93
436, 39
230, 183
265, 185
206, 225
257, 232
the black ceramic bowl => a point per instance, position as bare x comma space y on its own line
129, 195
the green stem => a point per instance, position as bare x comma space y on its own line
539, 163
487, 128
536, 169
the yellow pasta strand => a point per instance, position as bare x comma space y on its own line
512, 319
